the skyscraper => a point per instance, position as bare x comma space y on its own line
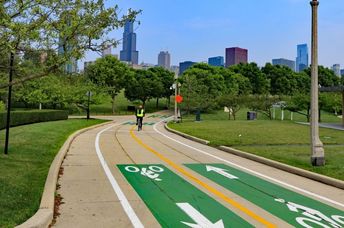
342, 72
236, 55
129, 53
183, 66
216, 61
284, 62
71, 66
164, 59
336, 69
66, 47
302, 57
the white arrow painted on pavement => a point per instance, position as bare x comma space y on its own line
220, 171
200, 220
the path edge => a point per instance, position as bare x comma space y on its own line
44, 216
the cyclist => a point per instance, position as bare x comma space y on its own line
140, 113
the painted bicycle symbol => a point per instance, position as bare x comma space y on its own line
151, 172
310, 215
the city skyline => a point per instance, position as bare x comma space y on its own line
209, 28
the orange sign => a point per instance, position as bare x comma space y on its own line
179, 99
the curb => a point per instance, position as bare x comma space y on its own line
193, 138
44, 215
301, 172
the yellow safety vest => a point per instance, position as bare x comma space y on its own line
140, 113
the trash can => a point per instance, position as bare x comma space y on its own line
251, 115
198, 115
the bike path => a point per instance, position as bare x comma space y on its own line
120, 150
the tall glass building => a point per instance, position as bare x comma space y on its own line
183, 66
129, 52
216, 61
302, 57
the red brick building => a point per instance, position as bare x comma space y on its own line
236, 55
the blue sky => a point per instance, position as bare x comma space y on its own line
195, 30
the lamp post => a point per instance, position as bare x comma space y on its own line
8, 119
88, 94
317, 158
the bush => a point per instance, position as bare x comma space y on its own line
2, 106
29, 117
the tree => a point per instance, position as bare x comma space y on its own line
259, 82
299, 103
282, 79
262, 104
233, 102
326, 76
167, 79
111, 74
74, 26
144, 86
201, 85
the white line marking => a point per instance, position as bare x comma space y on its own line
196, 216
123, 200
249, 170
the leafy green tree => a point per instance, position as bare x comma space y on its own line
262, 103
259, 82
201, 85
75, 26
233, 102
144, 86
326, 76
300, 102
330, 102
111, 74
167, 79
235, 83
282, 79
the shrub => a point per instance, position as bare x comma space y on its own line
29, 117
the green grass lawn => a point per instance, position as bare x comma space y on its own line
23, 172
283, 141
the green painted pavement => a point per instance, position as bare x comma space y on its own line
294, 208
176, 203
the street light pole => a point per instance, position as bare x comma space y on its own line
317, 158
8, 121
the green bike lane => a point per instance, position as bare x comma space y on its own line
294, 208
174, 202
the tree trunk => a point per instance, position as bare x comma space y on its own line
113, 105
157, 103
169, 102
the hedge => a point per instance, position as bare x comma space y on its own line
29, 117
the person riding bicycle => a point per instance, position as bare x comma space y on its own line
140, 113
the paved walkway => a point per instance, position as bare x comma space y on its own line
101, 188
336, 126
